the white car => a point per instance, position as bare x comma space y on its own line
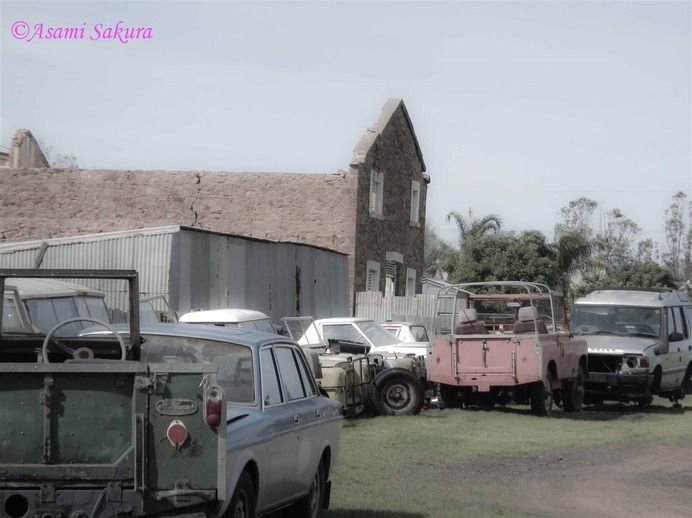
366, 335
640, 344
242, 318
413, 336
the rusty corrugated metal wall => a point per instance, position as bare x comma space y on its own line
198, 269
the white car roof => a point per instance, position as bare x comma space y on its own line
632, 297
223, 316
343, 320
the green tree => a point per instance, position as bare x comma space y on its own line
436, 251
508, 256
578, 213
573, 249
615, 245
678, 257
638, 274
474, 227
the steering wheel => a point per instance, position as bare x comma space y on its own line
82, 353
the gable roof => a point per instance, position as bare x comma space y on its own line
366, 142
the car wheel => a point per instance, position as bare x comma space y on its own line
573, 393
645, 401
397, 391
312, 505
448, 394
687, 380
542, 396
243, 500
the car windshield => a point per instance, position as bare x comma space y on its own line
616, 320
376, 334
366, 332
47, 312
236, 374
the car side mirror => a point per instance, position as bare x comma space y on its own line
675, 337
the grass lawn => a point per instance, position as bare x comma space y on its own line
413, 466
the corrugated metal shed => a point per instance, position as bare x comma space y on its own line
420, 308
193, 269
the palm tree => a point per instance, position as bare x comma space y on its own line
435, 251
573, 248
474, 227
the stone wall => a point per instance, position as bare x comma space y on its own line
317, 209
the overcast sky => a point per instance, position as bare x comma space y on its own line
519, 106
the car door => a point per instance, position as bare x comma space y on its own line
304, 399
300, 392
280, 485
679, 338
287, 391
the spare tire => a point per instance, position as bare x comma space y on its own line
397, 391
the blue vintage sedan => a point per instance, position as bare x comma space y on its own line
282, 434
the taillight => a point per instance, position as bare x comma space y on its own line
176, 433
212, 406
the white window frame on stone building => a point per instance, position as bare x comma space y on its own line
415, 203
394, 260
372, 276
376, 193
410, 282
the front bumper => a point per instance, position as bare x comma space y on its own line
622, 385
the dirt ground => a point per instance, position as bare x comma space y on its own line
606, 482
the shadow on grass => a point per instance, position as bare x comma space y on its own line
601, 412
367, 513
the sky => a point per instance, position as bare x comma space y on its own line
519, 106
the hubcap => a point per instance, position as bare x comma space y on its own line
397, 396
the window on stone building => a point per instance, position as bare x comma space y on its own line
415, 203
372, 277
410, 282
391, 276
376, 193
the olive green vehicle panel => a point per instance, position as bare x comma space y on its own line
192, 464
63, 422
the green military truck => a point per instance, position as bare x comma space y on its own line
88, 430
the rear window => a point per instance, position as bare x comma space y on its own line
236, 373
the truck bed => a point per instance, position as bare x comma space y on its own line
485, 361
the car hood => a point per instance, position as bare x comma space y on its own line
617, 344
403, 348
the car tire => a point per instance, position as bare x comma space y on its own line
573, 392
243, 501
541, 395
312, 505
687, 380
397, 391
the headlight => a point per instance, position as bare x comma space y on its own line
637, 362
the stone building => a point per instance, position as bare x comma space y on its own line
23, 152
374, 212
